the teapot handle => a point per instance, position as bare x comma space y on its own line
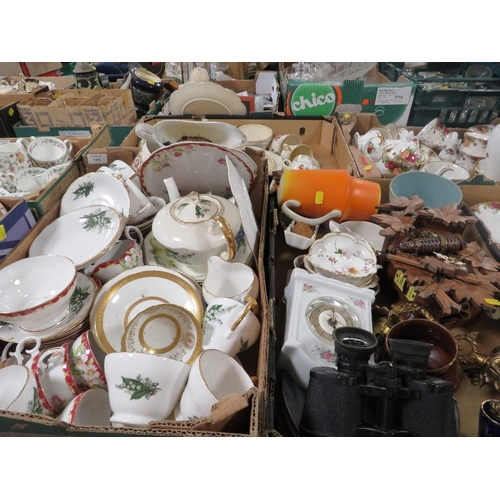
228, 234
288, 204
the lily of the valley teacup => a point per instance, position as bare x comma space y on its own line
48, 151
143, 387
213, 376
230, 326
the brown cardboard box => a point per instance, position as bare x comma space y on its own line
79, 108
28, 68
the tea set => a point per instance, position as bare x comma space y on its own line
434, 149
133, 306
29, 165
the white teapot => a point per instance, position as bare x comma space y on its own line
195, 227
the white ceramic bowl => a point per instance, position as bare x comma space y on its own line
257, 135
35, 292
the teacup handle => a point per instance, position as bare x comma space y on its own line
32, 352
228, 234
286, 209
42, 365
252, 304
69, 146
5, 352
133, 229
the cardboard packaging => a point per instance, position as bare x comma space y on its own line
390, 101
28, 68
14, 227
79, 108
260, 95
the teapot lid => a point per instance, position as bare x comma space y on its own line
195, 208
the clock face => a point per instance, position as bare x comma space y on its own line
326, 314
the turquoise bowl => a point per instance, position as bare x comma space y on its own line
434, 190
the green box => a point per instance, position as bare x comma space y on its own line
390, 101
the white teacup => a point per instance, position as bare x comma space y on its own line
290, 152
214, 376
19, 390
89, 408
143, 387
279, 141
301, 162
122, 256
230, 326
48, 151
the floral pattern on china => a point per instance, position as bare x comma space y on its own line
489, 214
404, 156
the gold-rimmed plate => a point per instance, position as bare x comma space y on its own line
133, 291
164, 330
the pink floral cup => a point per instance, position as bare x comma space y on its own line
87, 362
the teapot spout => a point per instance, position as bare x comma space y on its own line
173, 192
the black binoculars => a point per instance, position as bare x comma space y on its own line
389, 398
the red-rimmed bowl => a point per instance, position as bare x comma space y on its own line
35, 291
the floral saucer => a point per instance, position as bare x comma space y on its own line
96, 188
83, 235
79, 307
164, 330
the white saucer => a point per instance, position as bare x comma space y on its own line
96, 188
83, 235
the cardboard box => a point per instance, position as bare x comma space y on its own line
366, 167
79, 108
245, 417
40, 202
9, 114
14, 227
28, 68
260, 95
286, 400
390, 101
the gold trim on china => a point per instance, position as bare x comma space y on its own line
151, 350
97, 326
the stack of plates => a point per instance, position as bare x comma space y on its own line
72, 325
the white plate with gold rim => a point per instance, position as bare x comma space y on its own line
164, 330
133, 291
96, 188
83, 235
79, 307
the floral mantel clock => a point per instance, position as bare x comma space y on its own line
315, 307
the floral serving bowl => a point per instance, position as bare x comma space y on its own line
35, 292
343, 256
